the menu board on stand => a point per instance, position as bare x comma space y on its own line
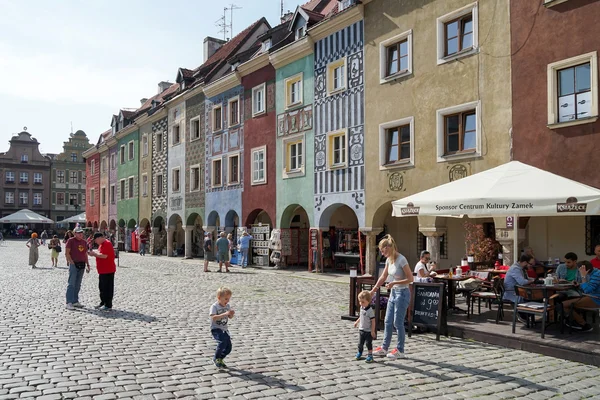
260, 244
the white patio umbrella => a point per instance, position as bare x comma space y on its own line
512, 189
25, 216
74, 219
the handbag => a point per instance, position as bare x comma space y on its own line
58, 248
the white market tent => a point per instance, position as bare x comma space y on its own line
513, 189
74, 219
25, 216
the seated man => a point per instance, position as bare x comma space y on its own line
517, 275
568, 273
596, 260
591, 287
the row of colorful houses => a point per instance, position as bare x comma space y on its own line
345, 106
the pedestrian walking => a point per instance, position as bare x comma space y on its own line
106, 267
143, 241
244, 243
44, 237
223, 252
33, 244
399, 276
207, 249
366, 326
220, 312
55, 248
230, 240
77, 257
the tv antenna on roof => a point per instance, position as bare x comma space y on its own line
222, 22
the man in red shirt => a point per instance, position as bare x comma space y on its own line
596, 260
105, 264
76, 254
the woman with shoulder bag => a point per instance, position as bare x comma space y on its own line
33, 245
54, 246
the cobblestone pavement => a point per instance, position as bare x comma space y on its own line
288, 342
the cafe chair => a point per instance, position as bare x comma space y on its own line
534, 301
583, 311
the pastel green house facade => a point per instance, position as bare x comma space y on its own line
128, 180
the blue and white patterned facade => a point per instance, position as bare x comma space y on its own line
335, 112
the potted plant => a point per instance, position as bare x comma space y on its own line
484, 249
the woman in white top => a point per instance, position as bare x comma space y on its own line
398, 276
423, 271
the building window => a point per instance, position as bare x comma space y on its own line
9, 198
113, 161
336, 76
217, 173
73, 199
176, 179
159, 142
24, 158
131, 187
459, 132
145, 185
592, 233
131, 151
233, 169
396, 143
336, 150
457, 33
395, 57
259, 160
294, 155
37, 178
103, 196
122, 194
93, 167
195, 128
258, 100
159, 185
293, 91
23, 198
122, 153
573, 91
74, 177
37, 199
266, 45
194, 178
10, 177
175, 135
103, 165
24, 177
300, 32
217, 118
74, 157
60, 176
113, 196
82, 198
234, 111
60, 199
92, 196
145, 145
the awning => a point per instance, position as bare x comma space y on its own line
25, 217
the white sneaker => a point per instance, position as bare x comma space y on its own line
78, 305
380, 351
70, 306
395, 354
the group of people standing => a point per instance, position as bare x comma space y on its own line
224, 247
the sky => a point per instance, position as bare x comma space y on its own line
78, 62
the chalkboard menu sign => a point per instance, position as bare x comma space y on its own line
427, 307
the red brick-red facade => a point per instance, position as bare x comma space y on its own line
541, 36
259, 131
92, 212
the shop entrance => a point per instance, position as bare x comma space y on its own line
176, 223
158, 237
197, 233
294, 236
261, 225
341, 246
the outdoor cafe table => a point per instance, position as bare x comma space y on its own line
450, 281
551, 290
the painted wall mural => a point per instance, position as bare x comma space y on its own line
296, 121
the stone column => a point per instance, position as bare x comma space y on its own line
507, 251
188, 241
151, 241
433, 236
371, 250
170, 233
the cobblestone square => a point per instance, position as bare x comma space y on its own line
288, 342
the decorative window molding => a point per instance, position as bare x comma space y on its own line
217, 173
259, 100
145, 185
195, 178
113, 160
93, 166
337, 149
293, 150
233, 107
387, 144
159, 142
577, 106
176, 178
195, 128
396, 57
175, 135
131, 150
160, 190
103, 195
293, 91
336, 76
464, 39
103, 165
145, 146
92, 196
442, 154
60, 176
122, 153
217, 118
113, 194
259, 165
131, 187
122, 187
233, 169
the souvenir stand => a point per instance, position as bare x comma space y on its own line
260, 245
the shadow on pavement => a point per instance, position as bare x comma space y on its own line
120, 314
264, 379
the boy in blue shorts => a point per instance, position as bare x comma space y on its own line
220, 312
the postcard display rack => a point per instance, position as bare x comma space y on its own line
260, 244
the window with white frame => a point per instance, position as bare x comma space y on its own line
234, 111
92, 196
217, 172
259, 160
145, 146
37, 199
23, 177
159, 142
337, 150
396, 143
24, 158
113, 161
266, 45
194, 178
217, 118
457, 33
103, 165
122, 153
113, 195
294, 155
103, 196
122, 191
175, 175
93, 167
144, 185
159, 185
300, 32
459, 131
131, 150
293, 91
73, 177
258, 100
73, 157
10, 177
131, 186
395, 57
9, 198
195, 128
573, 91
175, 135
233, 169
37, 178
60, 176
23, 198
73, 199
336, 76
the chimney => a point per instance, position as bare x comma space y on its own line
286, 17
162, 86
143, 101
211, 45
